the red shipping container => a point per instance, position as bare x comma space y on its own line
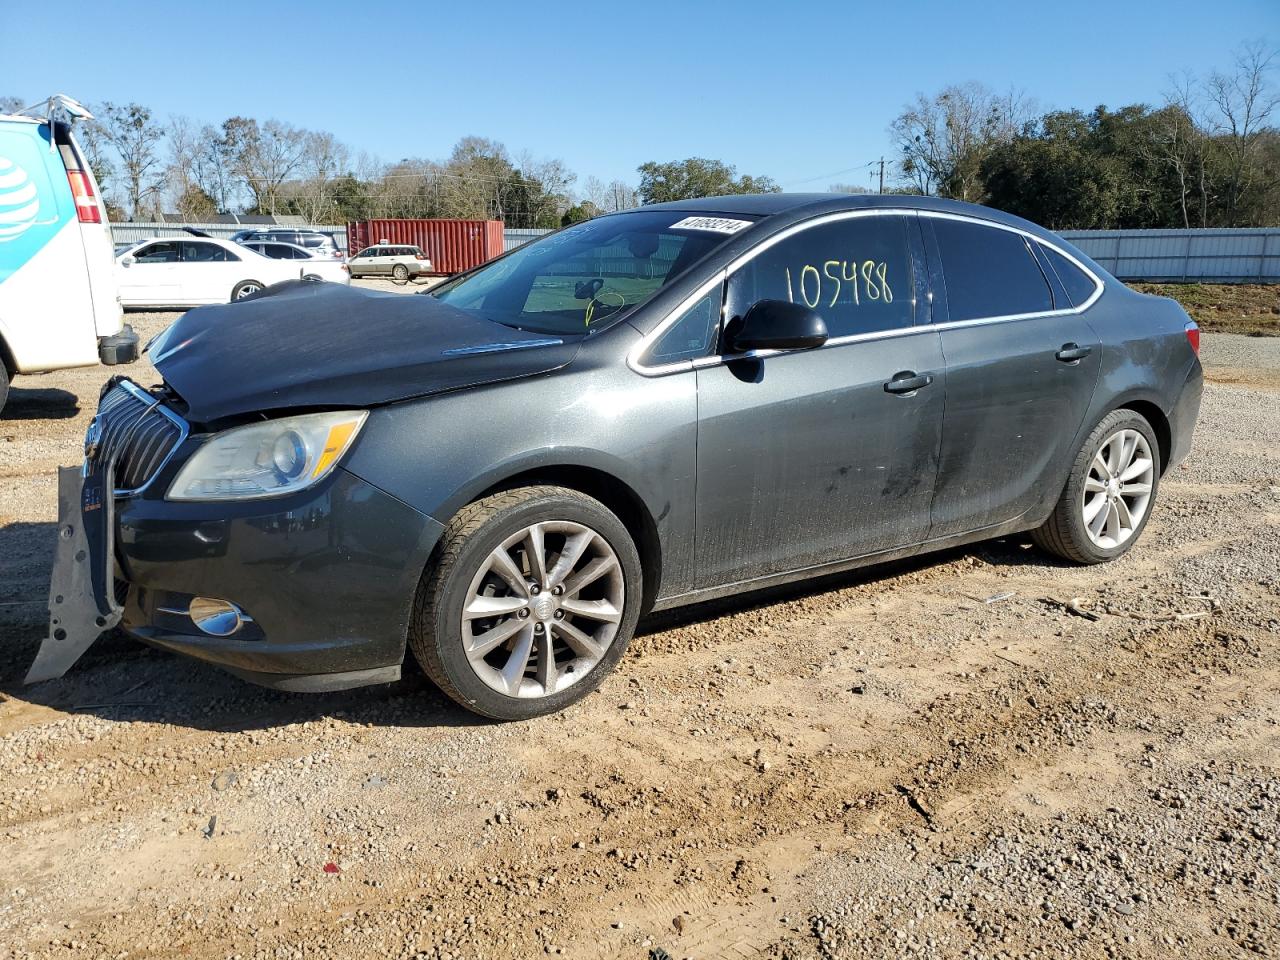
452, 245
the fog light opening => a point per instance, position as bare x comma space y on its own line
217, 618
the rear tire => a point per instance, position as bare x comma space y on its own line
1109, 495
551, 628
401, 272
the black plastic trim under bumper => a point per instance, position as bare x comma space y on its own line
119, 348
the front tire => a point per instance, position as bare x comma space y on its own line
529, 602
401, 272
1108, 498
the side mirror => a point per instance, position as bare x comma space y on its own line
128, 261
778, 325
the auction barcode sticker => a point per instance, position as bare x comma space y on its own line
718, 224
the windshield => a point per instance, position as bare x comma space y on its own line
583, 278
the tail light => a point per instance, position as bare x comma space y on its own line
87, 209
419, 256
1193, 336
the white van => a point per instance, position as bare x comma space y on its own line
58, 302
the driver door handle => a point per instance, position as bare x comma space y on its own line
1073, 352
907, 381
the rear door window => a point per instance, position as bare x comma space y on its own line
193, 251
989, 272
856, 273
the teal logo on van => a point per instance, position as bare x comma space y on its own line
31, 212
19, 201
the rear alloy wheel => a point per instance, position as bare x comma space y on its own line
1109, 495
401, 272
245, 288
530, 601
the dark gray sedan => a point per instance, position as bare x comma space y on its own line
642, 411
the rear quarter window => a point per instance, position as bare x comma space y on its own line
989, 272
1078, 284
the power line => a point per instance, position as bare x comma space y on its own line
838, 173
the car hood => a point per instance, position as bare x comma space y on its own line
324, 344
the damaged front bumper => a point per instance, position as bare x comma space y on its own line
322, 582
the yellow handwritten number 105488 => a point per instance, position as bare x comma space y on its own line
867, 281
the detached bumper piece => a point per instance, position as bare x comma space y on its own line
120, 348
81, 604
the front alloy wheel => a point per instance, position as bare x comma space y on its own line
530, 600
543, 609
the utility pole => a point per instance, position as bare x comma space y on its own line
882, 174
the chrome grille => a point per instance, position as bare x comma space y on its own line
138, 431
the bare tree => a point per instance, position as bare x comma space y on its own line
1180, 145
622, 196
266, 157
136, 139
944, 139
1241, 104
325, 158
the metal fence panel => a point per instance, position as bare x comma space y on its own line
1246, 255
513, 238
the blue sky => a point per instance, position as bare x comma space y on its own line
795, 91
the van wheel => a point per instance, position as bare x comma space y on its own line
1109, 495
401, 272
245, 288
529, 602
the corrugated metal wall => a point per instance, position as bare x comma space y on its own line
518, 238
1211, 256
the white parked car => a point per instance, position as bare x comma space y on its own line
319, 266
190, 271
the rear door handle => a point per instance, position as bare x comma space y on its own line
1072, 352
907, 381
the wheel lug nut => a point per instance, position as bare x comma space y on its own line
535, 589
557, 590
559, 614
523, 614
537, 628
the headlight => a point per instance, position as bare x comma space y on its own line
267, 459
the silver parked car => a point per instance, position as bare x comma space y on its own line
400, 261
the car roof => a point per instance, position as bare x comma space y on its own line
189, 237
800, 206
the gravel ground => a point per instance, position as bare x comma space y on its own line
884, 764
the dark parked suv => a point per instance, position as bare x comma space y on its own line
645, 410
